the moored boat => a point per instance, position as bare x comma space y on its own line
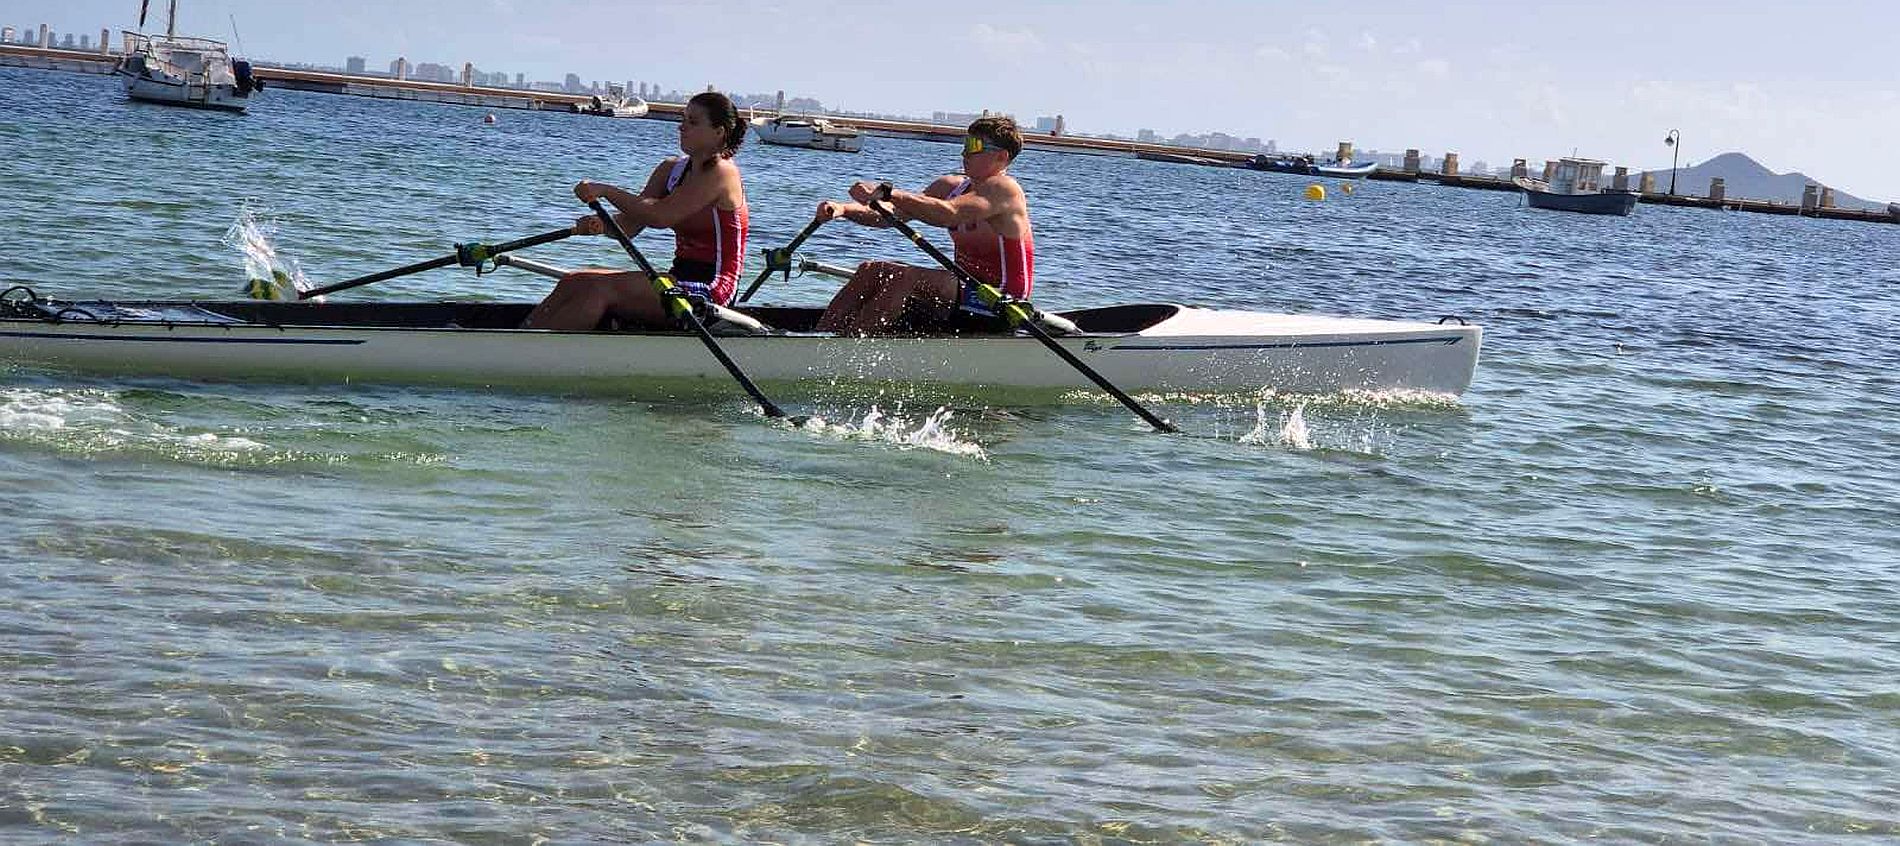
1306, 166
1575, 186
808, 132
1143, 347
615, 103
183, 71
1182, 158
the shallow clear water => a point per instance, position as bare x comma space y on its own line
1638, 584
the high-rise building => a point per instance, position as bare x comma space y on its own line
6, 35
355, 65
399, 69
572, 84
521, 80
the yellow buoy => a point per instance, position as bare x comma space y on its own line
1316, 192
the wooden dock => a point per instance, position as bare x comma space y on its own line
382, 87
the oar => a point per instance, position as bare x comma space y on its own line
676, 305
466, 255
780, 259
1019, 313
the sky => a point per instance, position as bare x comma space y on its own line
1813, 86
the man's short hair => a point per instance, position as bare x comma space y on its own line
1002, 130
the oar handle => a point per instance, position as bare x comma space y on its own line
780, 259
467, 255
1016, 311
682, 310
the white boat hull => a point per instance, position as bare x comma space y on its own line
809, 135
194, 94
1196, 350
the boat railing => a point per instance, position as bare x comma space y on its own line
138, 41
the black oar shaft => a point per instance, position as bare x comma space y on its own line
418, 267
462, 255
786, 252
675, 302
1022, 316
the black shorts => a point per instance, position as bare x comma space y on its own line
967, 316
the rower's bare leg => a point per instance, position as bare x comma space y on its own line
841, 314
582, 298
936, 289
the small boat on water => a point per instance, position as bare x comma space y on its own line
1576, 186
1306, 166
809, 132
1182, 158
183, 71
615, 103
1159, 347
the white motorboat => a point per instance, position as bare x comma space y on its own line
184, 71
1157, 347
615, 103
810, 132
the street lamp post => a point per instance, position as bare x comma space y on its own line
1674, 141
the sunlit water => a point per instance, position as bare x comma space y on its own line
1637, 585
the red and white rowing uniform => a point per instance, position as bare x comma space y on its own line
1007, 263
709, 245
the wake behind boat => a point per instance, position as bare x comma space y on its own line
1157, 347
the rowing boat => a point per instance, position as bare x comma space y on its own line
1159, 347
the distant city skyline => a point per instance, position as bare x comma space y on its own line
1809, 88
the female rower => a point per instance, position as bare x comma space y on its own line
698, 195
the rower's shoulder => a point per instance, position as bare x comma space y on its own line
943, 185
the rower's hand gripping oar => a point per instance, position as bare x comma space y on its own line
780, 260
681, 309
466, 255
1020, 314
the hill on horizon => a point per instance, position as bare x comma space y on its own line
1745, 178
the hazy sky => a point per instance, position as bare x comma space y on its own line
1809, 86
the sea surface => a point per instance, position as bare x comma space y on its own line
1639, 584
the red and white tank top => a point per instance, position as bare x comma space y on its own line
1007, 263
711, 237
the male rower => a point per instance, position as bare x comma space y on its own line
988, 219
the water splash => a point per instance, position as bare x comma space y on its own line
932, 433
269, 276
1289, 429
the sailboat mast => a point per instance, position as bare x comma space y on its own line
171, 21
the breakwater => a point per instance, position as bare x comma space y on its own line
383, 87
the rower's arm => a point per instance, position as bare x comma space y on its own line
621, 199
970, 207
705, 188
864, 215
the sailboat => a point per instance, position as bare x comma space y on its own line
184, 71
